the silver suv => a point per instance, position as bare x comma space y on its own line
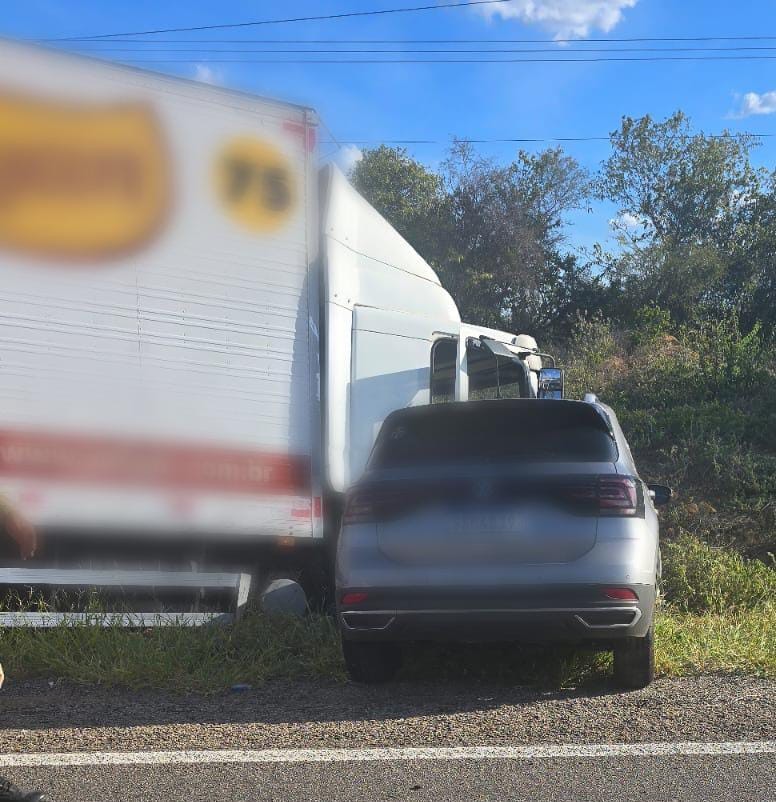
519, 520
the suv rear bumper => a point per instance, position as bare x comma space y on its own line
567, 615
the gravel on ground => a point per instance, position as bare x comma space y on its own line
55, 717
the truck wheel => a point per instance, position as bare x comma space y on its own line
634, 662
371, 663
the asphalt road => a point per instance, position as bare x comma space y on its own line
37, 722
622, 779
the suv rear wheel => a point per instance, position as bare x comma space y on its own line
634, 662
371, 663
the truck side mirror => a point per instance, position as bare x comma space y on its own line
660, 494
551, 383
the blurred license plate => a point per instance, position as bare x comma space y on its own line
477, 522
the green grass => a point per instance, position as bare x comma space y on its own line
699, 578
204, 659
259, 649
742, 642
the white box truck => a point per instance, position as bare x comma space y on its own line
201, 329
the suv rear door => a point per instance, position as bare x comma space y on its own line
514, 481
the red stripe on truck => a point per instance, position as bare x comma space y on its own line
115, 461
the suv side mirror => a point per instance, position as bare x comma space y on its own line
660, 494
551, 383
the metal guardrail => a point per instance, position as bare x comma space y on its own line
240, 584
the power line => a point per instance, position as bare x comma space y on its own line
334, 139
527, 51
317, 18
523, 140
500, 141
91, 40
454, 61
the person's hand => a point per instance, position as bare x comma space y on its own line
2, 675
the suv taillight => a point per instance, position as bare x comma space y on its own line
359, 507
603, 495
608, 495
619, 495
370, 503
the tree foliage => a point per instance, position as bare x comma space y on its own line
695, 228
688, 188
406, 193
494, 233
686, 207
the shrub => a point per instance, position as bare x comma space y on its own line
662, 374
697, 402
700, 578
591, 350
731, 362
651, 322
732, 470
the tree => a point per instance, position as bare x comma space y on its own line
696, 228
685, 206
494, 234
752, 275
504, 265
406, 193
685, 187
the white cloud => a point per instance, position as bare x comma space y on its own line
563, 18
207, 75
753, 103
628, 222
348, 156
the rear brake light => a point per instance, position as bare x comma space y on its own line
618, 495
608, 495
378, 502
353, 598
620, 594
360, 507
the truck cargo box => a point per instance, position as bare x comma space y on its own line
158, 303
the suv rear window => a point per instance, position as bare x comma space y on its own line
503, 431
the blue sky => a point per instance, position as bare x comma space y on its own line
482, 101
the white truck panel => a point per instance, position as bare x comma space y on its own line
371, 264
197, 339
376, 283
391, 370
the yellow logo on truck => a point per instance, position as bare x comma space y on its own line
256, 184
80, 182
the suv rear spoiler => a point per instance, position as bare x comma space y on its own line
532, 410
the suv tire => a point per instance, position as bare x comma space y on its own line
634, 662
371, 663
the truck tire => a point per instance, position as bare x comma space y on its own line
371, 663
634, 662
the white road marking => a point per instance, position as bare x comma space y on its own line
538, 752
